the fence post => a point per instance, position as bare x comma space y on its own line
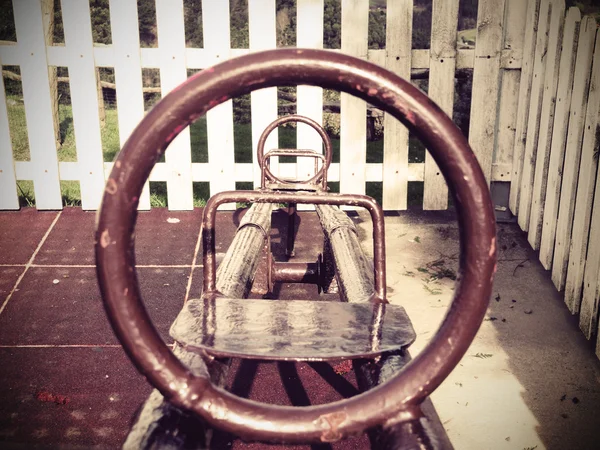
525, 85
128, 73
263, 103
585, 190
353, 111
398, 57
442, 65
38, 103
48, 19
559, 137
84, 98
568, 187
538, 189
8, 181
173, 72
535, 111
486, 82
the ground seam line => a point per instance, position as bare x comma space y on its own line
196, 250
60, 346
29, 263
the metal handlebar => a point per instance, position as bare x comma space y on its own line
396, 400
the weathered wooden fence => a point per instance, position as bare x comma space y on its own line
496, 62
535, 111
554, 192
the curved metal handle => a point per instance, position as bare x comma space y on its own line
391, 402
320, 176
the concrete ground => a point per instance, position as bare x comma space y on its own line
530, 379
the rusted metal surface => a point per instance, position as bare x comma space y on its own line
292, 330
318, 198
236, 271
400, 396
354, 270
320, 176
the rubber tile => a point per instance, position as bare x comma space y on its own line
67, 397
71, 241
167, 237
63, 306
288, 383
21, 232
8, 278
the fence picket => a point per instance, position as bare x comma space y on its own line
559, 137
128, 73
535, 111
84, 99
309, 101
353, 111
442, 64
395, 137
173, 72
588, 312
514, 28
525, 85
585, 190
486, 74
263, 104
579, 98
8, 181
38, 104
538, 190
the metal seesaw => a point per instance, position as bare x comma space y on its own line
190, 400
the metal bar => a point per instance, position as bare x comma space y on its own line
158, 417
296, 272
354, 271
355, 280
291, 229
236, 272
209, 218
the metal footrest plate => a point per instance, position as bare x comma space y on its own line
294, 330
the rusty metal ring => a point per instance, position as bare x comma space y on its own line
260, 148
387, 404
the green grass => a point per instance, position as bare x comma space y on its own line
198, 138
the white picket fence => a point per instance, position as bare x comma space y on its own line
555, 162
496, 61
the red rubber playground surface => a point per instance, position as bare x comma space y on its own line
66, 382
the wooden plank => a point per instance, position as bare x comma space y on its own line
559, 137
309, 34
588, 315
219, 120
535, 112
84, 99
8, 182
577, 114
486, 76
540, 171
353, 130
395, 137
173, 72
128, 74
441, 90
515, 24
585, 191
263, 36
525, 84
38, 103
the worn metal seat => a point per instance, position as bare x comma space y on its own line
298, 330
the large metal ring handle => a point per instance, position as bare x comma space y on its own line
387, 404
260, 148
